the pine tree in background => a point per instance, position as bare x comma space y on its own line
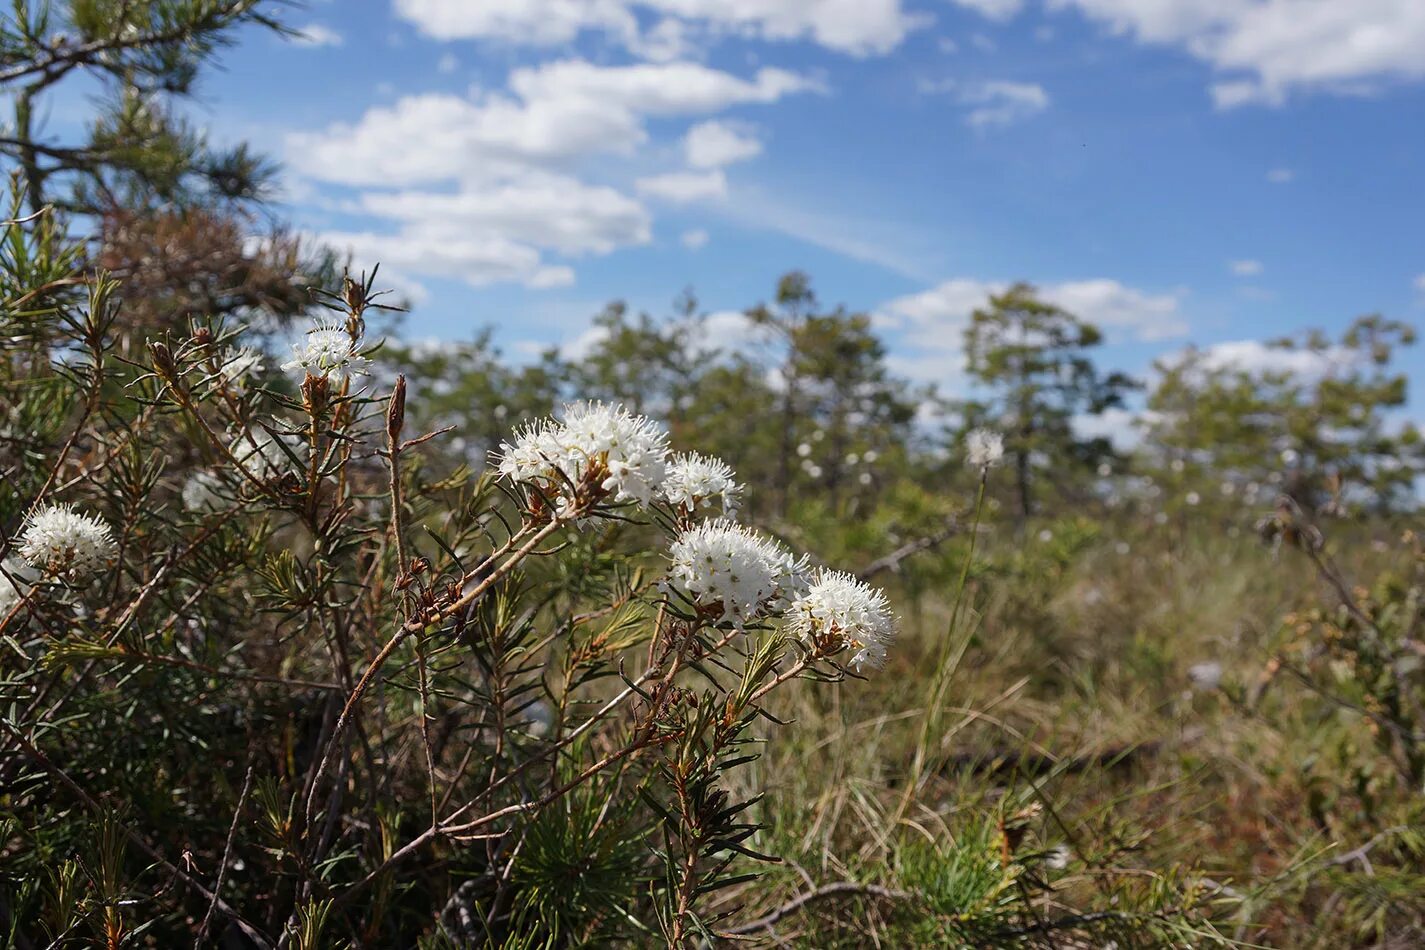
1032, 358
176, 218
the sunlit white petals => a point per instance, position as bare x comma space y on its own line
695, 480
984, 448
241, 365
725, 567
60, 542
838, 612
263, 457
15, 578
328, 350
630, 451
203, 492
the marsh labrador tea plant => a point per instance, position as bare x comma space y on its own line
268, 682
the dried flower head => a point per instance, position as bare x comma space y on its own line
840, 612
61, 542
630, 451
328, 349
984, 448
695, 480
732, 569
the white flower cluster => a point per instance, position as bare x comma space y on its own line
240, 365
727, 571
837, 611
203, 491
984, 448
631, 449
14, 582
695, 480
59, 541
730, 568
261, 455
328, 350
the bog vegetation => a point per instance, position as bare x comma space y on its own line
314, 636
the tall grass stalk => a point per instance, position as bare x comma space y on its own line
949, 663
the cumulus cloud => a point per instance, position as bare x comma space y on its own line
694, 239
1245, 268
856, 27
1280, 176
685, 187
993, 9
477, 260
1256, 357
931, 324
1266, 51
481, 186
714, 143
315, 34
557, 111
544, 210
993, 103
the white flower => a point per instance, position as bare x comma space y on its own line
1206, 675
632, 451
726, 567
240, 365
261, 455
328, 350
58, 540
203, 492
838, 611
694, 479
14, 580
985, 448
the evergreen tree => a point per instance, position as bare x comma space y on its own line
1314, 421
1032, 358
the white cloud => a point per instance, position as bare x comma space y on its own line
857, 27
510, 156
541, 209
552, 276
1122, 427
315, 34
993, 9
477, 260
1114, 306
1266, 51
1255, 356
685, 187
1245, 268
714, 143
559, 110
1280, 176
694, 239
932, 323
995, 102
447, 64
1419, 284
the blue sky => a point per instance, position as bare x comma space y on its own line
1177, 170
